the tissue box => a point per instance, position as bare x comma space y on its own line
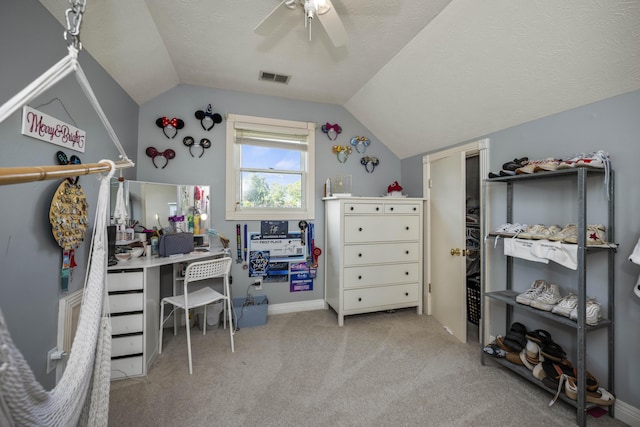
248, 315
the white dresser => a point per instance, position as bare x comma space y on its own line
373, 258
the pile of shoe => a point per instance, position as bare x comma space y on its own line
547, 361
546, 296
595, 233
597, 159
509, 168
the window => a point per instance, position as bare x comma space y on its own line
270, 172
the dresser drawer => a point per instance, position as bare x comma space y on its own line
122, 346
127, 324
361, 229
363, 208
387, 253
124, 303
404, 208
381, 296
126, 367
356, 277
124, 281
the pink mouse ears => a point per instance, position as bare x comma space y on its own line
190, 142
209, 117
172, 124
167, 154
332, 130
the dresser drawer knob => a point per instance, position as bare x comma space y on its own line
406, 273
415, 209
359, 277
406, 294
377, 208
406, 252
407, 228
359, 299
359, 255
351, 208
391, 208
360, 229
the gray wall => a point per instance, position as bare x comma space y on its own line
611, 125
30, 260
183, 101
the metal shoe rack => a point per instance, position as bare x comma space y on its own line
508, 295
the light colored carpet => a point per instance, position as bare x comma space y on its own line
302, 369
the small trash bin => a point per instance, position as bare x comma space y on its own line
213, 315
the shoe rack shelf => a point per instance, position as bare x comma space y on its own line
580, 177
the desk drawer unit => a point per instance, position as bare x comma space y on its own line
374, 254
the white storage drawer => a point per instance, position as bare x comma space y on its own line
391, 253
355, 299
124, 281
392, 208
123, 303
127, 324
126, 367
363, 208
359, 229
122, 346
356, 277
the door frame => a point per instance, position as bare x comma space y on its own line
479, 148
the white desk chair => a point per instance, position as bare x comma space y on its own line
197, 271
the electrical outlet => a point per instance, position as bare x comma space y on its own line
257, 283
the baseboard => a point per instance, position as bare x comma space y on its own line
293, 307
627, 414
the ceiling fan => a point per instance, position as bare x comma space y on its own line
321, 9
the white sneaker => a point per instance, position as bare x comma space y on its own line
547, 299
593, 312
530, 294
566, 305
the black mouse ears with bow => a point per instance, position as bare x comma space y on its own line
190, 142
172, 124
208, 117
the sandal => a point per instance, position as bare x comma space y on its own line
495, 351
553, 351
599, 397
515, 339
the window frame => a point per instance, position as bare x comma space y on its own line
233, 171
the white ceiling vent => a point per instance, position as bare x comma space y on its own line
273, 77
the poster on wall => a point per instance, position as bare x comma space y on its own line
286, 247
49, 129
278, 272
299, 278
258, 263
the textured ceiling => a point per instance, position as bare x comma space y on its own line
421, 75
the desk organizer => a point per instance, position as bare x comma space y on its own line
250, 313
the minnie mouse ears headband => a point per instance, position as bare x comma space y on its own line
369, 163
332, 130
172, 124
167, 154
189, 142
361, 143
208, 116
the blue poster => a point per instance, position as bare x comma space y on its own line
299, 278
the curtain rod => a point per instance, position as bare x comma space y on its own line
22, 174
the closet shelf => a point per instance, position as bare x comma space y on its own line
509, 297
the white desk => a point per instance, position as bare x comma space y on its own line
134, 301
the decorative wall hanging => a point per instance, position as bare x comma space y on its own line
208, 117
332, 130
369, 163
49, 129
172, 124
342, 152
361, 143
63, 160
167, 154
68, 219
190, 142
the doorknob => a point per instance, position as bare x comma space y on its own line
455, 252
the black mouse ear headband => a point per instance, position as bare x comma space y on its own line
173, 124
167, 154
369, 163
208, 116
332, 130
64, 160
204, 144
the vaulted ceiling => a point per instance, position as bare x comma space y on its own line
420, 74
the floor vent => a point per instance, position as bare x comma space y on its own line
273, 77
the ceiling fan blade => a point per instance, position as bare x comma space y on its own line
333, 26
273, 19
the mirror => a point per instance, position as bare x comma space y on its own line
152, 204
